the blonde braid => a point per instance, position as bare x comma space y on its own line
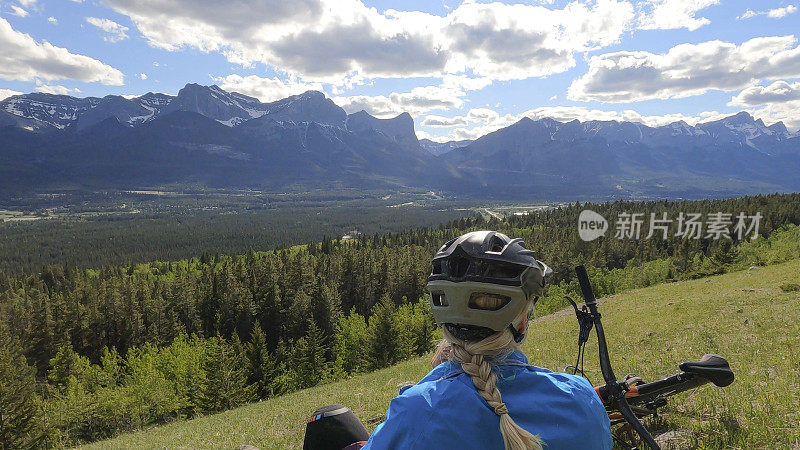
473, 359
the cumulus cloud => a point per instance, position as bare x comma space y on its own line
24, 59
777, 102
264, 89
785, 112
5, 93
449, 94
415, 102
686, 70
56, 89
506, 42
52, 20
327, 40
776, 13
440, 121
672, 14
475, 123
142, 76
114, 31
777, 92
19, 12
322, 40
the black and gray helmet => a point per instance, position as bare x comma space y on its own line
484, 263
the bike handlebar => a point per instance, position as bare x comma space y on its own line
709, 369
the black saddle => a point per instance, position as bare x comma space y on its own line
714, 368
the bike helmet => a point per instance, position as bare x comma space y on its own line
484, 264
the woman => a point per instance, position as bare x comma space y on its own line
482, 392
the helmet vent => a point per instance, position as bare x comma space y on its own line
501, 270
439, 299
458, 266
487, 302
496, 244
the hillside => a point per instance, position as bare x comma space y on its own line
750, 317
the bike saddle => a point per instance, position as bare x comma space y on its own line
714, 368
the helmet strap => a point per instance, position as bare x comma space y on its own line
518, 337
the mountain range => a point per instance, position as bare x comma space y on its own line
207, 136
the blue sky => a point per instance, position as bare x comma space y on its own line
462, 69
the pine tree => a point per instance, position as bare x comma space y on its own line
225, 386
351, 343
309, 358
382, 342
20, 412
262, 367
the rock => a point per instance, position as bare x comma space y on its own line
375, 419
754, 268
676, 439
247, 447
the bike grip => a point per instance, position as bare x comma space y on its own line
583, 281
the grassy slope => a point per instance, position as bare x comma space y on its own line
743, 316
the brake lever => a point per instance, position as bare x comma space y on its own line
585, 321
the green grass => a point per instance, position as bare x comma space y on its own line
743, 316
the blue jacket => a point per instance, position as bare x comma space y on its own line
445, 411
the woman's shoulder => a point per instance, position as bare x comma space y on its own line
424, 412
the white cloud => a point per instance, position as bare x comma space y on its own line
115, 32
465, 83
476, 123
327, 40
449, 94
56, 89
24, 59
749, 13
418, 100
776, 13
777, 92
264, 89
672, 14
19, 12
506, 42
440, 121
779, 112
52, 20
781, 12
5, 93
142, 76
686, 70
27, 3
777, 102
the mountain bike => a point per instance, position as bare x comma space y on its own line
630, 399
